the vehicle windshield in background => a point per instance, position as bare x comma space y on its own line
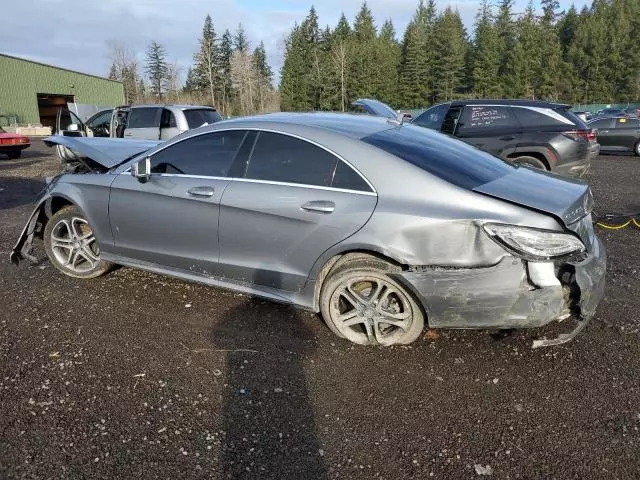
451, 160
197, 117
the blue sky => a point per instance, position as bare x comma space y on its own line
74, 33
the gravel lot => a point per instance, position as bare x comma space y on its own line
135, 375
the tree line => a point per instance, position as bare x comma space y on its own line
225, 74
586, 56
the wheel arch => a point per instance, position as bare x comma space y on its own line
536, 153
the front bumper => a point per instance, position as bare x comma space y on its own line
511, 294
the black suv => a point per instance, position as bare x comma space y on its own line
540, 134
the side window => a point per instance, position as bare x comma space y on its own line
347, 178
281, 158
627, 123
451, 120
144, 117
433, 117
543, 117
209, 155
479, 119
102, 120
168, 119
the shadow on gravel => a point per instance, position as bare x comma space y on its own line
268, 417
16, 191
9, 164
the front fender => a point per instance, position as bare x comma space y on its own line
24, 245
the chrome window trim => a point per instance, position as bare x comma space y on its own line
256, 129
266, 182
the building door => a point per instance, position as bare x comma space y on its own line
48, 106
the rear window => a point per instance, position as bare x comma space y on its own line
433, 117
451, 160
198, 117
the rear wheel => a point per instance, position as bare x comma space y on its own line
72, 246
530, 162
362, 303
636, 150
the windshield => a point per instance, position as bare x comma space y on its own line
451, 160
197, 117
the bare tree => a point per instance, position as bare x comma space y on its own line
172, 80
340, 57
124, 68
243, 80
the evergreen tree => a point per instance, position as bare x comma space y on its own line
450, 46
523, 62
343, 29
190, 84
486, 55
506, 29
262, 67
240, 41
549, 66
365, 83
206, 71
224, 64
388, 64
156, 67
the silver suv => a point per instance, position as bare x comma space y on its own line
142, 122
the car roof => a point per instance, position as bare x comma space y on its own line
165, 105
523, 103
350, 125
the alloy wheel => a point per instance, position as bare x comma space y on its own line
74, 245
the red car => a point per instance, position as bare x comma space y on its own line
12, 144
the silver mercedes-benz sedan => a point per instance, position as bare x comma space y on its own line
381, 227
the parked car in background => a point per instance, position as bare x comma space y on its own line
145, 122
543, 135
12, 144
142, 122
632, 112
618, 134
382, 227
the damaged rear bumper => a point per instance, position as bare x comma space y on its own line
512, 294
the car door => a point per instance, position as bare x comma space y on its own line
69, 124
492, 128
625, 133
144, 123
292, 201
99, 125
168, 125
605, 132
172, 220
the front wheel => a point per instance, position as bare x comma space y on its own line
362, 303
636, 150
72, 246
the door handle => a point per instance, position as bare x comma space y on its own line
203, 192
319, 206
128, 134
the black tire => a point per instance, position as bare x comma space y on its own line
370, 275
87, 262
530, 161
636, 149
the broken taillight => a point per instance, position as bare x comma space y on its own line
588, 135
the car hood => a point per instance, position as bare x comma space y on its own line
376, 108
108, 152
566, 199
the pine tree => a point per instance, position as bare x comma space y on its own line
224, 64
156, 67
550, 63
206, 71
506, 29
486, 55
240, 42
450, 46
388, 64
363, 65
522, 64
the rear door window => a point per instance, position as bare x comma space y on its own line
452, 160
282, 158
485, 119
209, 155
432, 118
541, 117
197, 117
144, 117
168, 119
451, 120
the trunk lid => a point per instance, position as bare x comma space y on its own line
107, 152
567, 199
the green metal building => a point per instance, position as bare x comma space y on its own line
32, 92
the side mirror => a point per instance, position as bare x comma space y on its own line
73, 127
142, 170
